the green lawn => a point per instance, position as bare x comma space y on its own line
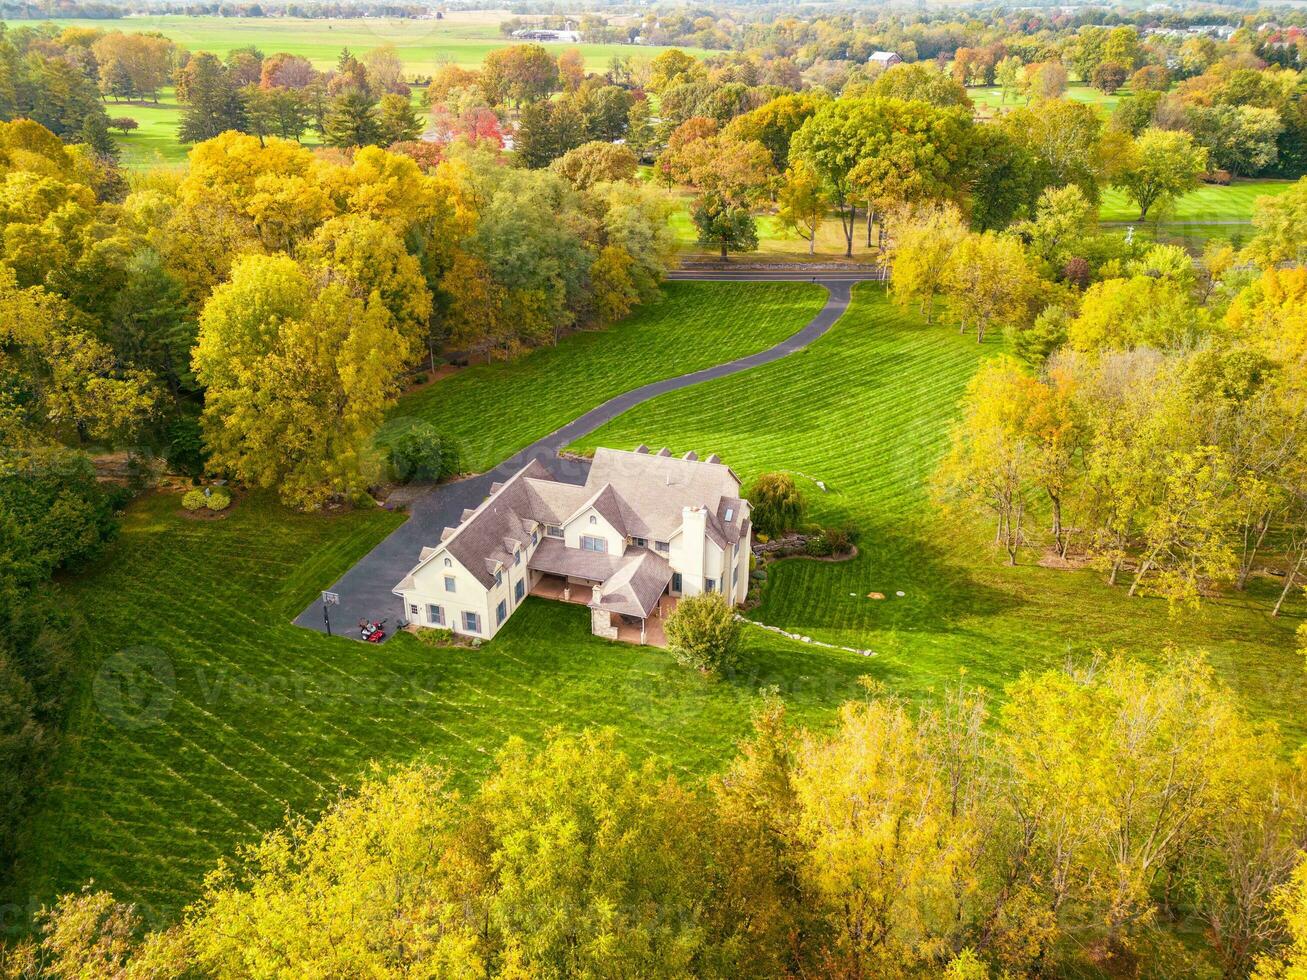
988, 99
154, 143
1209, 204
492, 410
262, 717
464, 38
865, 410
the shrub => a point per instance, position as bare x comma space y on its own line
840, 539
777, 503
435, 637
219, 498
193, 500
703, 632
419, 452
819, 546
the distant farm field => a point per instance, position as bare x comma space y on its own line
462, 38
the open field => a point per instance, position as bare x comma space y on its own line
865, 410
461, 38
207, 715
1209, 204
492, 410
989, 98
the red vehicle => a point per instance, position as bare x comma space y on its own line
372, 632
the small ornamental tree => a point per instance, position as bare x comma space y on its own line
703, 633
777, 503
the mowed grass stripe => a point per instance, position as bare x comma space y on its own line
866, 410
493, 410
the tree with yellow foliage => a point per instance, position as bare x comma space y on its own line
298, 372
923, 240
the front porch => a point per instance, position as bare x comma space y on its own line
625, 629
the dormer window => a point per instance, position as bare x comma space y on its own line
553, 530
662, 546
730, 512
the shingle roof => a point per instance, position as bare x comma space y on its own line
641, 494
635, 588
655, 489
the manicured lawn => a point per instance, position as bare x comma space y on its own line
260, 716
154, 143
461, 37
865, 410
492, 410
1210, 203
988, 99
776, 243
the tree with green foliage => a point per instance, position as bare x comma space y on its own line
703, 632
724, 225
352, 119
397, 119
1161, 167
211, 102
776, 504
519, 74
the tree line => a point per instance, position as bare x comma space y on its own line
1077, 825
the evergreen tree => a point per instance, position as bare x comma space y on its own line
95, 134
213, 104
398, 120
352, 120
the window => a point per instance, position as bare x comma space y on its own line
640, 542
471, 622
535, 537
413, 609
662, 546
735, 576
499, 579
448, 563
711, 586
435, 615
520, 590
589, 543
553, 531
501, 612
517, 558
450, 583
676, 582
593, 519
730, 512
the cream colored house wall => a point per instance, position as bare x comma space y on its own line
581, 526
469, 594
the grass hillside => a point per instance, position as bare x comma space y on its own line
865, 410
492, 410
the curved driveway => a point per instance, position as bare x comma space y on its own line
365, 590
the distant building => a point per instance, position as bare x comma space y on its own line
885, 59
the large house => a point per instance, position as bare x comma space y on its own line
645, 526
